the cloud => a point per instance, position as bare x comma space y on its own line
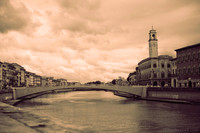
92, 39
13, 17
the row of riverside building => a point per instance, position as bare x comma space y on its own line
166, 71
14, 75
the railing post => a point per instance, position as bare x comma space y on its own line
14, 93
144, 92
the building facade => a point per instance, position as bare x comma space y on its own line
188, 66
14, 75
11, 75
20, 71
155, 71
174, 80
2, 76
38, 81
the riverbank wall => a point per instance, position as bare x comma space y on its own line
183, 95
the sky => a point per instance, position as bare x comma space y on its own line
90, 40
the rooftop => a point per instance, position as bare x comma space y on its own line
159, 57
191, 46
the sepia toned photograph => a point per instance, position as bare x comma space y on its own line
99, 66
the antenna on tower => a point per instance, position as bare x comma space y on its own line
152, 27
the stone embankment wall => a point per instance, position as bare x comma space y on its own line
5, 96
171, 93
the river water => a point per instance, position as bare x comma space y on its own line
103, 112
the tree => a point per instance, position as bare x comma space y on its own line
114, 81
129, 77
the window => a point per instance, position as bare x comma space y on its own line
162, 65
169, 74
189, 70
162, 75
155, 75
185, 84
194, 70
179, 71
168, 65
149, 75
154, 65
193, 56
199, 69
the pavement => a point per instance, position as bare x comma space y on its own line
10, 125
17, 120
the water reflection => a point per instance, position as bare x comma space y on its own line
104, 112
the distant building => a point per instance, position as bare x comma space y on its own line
50, 81
9, 75
155, 70
14, 75
2, 76
30, 79
37, 80
62, 82
73, 83
44, 81
20, 71
188, 66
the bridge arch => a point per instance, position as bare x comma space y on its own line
123, 91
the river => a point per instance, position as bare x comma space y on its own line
103, 112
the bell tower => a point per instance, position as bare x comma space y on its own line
153, 43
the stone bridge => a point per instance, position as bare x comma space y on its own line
123, 91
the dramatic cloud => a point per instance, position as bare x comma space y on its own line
92, 39
13, 17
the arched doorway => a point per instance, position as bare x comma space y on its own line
162, 84
155, 83
174, 83
190, 84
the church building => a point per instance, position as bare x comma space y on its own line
156, 69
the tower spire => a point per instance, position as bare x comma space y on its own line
152, 27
